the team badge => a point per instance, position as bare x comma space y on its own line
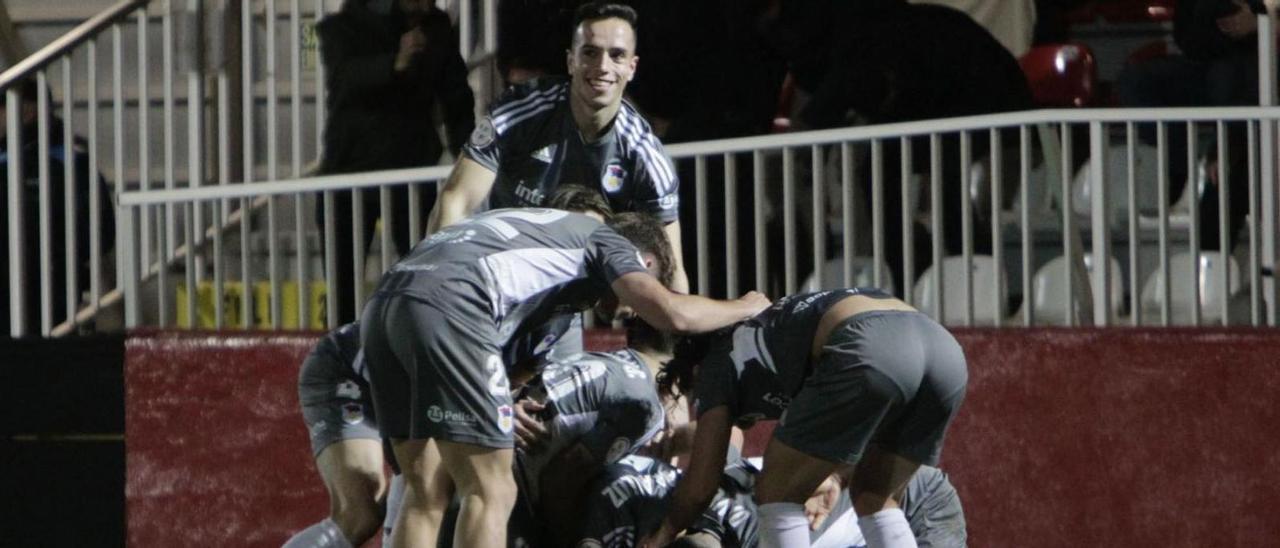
348, 389
613, 176
484, 133
352, 413
434, 414
506, 419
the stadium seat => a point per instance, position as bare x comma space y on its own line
1146, 173
863, 275
1180, 280
1061, 75
987, 304
1048, 288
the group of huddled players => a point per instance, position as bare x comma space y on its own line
466, 371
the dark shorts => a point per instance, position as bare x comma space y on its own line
435, 369
893, 378
336, 403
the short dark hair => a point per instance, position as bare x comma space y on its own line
646, 233
580, 199
595, 11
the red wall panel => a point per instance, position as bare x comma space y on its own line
1068, 437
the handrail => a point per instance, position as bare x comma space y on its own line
65, 43
727, 146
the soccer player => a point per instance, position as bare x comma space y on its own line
860, 382
339, 415
434, 328
542, 135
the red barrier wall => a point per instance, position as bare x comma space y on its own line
1068, 437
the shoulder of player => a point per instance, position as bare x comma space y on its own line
522, 103
633, 129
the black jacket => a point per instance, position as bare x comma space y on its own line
381, 119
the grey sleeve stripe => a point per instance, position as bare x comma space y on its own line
655, 159
526, 101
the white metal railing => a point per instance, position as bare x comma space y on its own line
1027, 232
168, 94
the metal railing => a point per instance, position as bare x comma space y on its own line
1033, 222
166, 94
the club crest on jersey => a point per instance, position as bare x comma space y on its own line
613, 176
506, 419
484, 133
352, 413
348, 389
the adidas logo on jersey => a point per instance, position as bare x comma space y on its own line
542, 155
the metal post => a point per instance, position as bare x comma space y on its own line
1101, 230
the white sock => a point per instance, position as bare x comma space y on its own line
887, 529
783, 525
325, 534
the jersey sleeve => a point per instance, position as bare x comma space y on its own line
610, 256
716, 383
501, 125
657, 187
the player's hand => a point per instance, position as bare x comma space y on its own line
657, 539
756, 300
1239, 23
411, 43
530, 432
819, 505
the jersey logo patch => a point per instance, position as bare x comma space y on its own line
613, 176
352, 413
505, 419
484, 133
543, 154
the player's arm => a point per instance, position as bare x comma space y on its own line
679, 278
680, 313
468, 185
697, 487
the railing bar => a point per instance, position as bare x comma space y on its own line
997, 204
877, 213
818, 181
388, 227
1162, 201
702, 225
223, 206
330, 261
847, 212
1135, 290
731, 224
1255, 222
70, 195
1193, 237
935, 218
758, 220
1224, 224
789, 219
966, 225
91, 119
908, 223
45, 216
170, 180
1100, 285
321, 113
1068, 247
357, 248
1024, 176
65, 44
17, 256
144, 135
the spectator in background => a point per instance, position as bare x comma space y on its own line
883, 61
1011, 22
388, 62
82, 185
1218, 66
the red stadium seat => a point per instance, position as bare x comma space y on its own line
1061, 75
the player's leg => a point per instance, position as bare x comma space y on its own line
352, 472
877, 480
487, 488
426, 494
788, 478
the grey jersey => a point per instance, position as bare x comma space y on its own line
529, 139
526, 264
629, 499
604, 400
756, 367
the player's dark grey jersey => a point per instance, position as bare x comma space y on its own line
334, 360
604, 400
525, 263
629, 499
529, 139
757, 366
